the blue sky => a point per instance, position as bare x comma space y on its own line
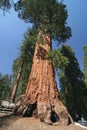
12, 30
77, 20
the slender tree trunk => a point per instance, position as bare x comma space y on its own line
41, 96
14, 91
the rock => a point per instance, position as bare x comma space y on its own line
5, 104
11, 105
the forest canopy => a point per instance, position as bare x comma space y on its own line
48, 16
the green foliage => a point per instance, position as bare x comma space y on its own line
58, 59
85, 63
5, 88
26, 55
72, 86
5, 5
49, 16
27, 47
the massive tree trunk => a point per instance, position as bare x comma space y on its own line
41, 96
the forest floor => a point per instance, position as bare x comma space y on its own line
30, 123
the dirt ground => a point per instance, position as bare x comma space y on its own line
30, 123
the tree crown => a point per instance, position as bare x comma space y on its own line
49, 16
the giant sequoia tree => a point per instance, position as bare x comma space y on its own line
41, 96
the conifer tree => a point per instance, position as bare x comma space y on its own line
5, 87
5, 5
48, 18
85, 63
22, 65
72, 86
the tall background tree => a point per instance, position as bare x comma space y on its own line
85, 63
22, 64
85, 75
72, 86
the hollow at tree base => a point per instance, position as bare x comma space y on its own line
52, 114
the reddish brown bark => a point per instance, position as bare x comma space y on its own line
42, 90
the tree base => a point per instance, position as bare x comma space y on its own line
41, 96
51, 114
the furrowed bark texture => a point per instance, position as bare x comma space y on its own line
41, 96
